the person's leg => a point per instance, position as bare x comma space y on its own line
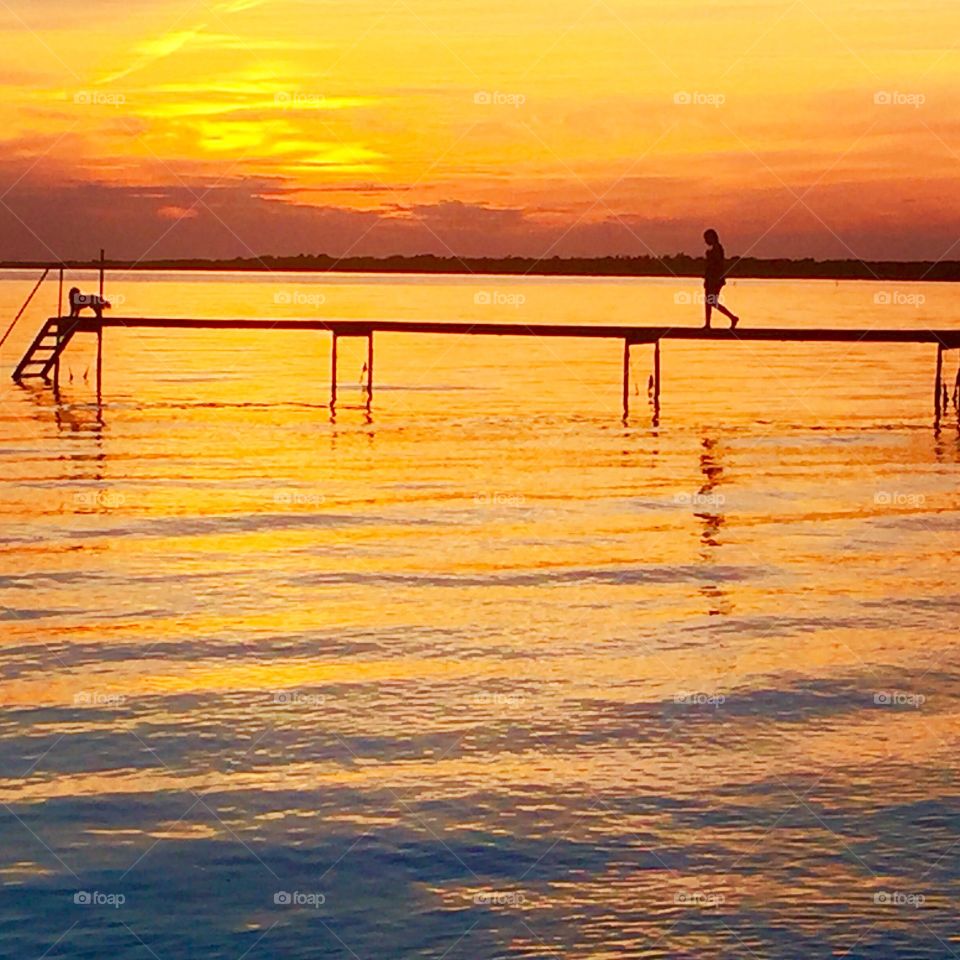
708, 302
733, 318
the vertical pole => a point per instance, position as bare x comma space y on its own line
369, 367
937, 381
56, 362
99, 361
333, 370
656, 373
100, 331
626, 378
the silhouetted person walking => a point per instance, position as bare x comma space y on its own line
714, 279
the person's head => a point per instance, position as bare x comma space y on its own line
711, 237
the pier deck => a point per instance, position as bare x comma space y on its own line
634, 333
58, 331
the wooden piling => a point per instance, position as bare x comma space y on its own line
333, 370
626, 378
99, 360
56, 365
370, 367
936, 386
656, 373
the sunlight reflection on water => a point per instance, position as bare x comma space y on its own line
488, 673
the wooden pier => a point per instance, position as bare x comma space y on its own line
43, 357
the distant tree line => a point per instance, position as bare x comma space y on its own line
677, 265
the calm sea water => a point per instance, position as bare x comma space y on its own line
486, 672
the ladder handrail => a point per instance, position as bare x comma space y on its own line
26, 303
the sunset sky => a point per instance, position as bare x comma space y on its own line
242, 127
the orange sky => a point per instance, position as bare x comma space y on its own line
238, 127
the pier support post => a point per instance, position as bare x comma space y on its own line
656, 374
936, 386
369, 368
333, 370
99, 360
626, 378
56, 363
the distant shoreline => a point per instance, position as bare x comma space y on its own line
680, 266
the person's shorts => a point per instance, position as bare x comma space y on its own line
712, 290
